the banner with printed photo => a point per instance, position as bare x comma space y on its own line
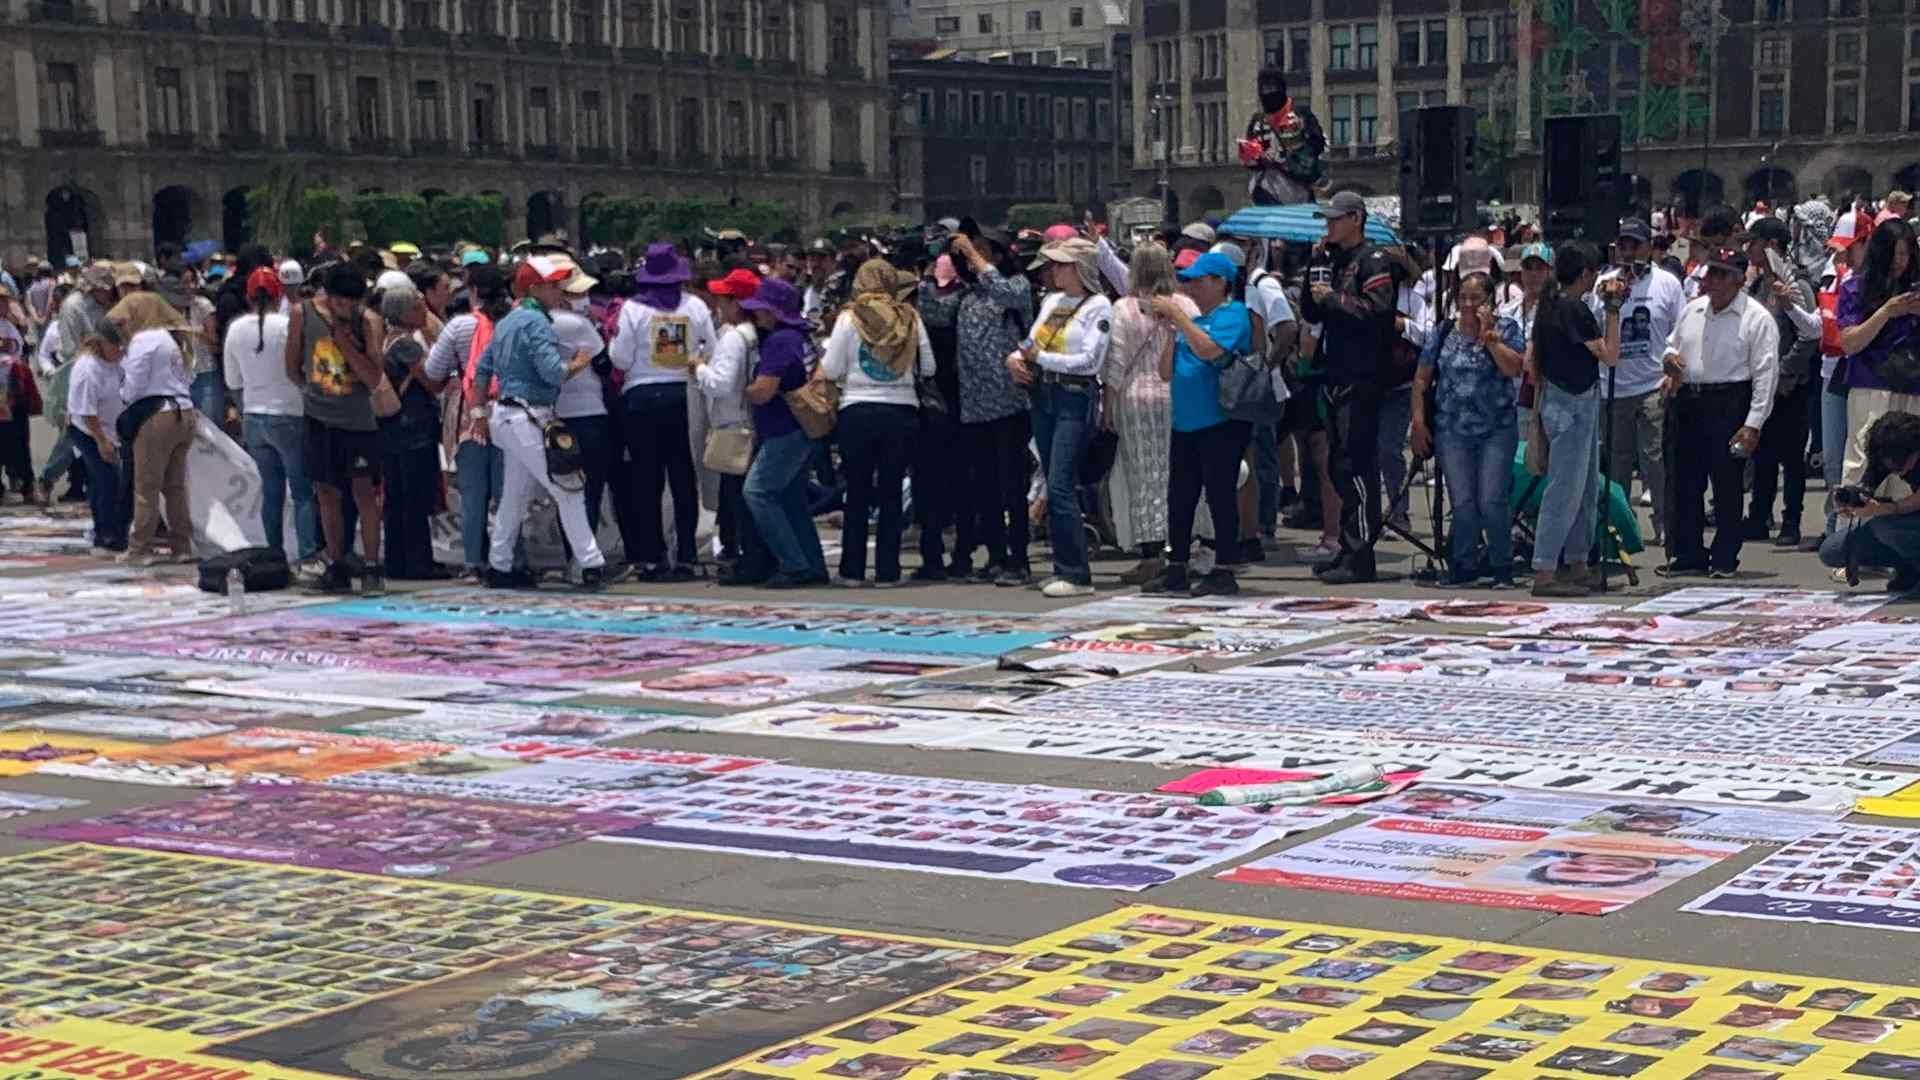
984, 689
1611, 624
45, 1048
1220, 636
608, 779
776, 677
1151, 993
1613, 668
1672, 820
28, 618
313, 639
131, 727
1851, 875
1059, 836
1805, 788
1896, 635
256, 755
1566, 870
22, 752
21, 803
1747, 603
484, 725
1253, 700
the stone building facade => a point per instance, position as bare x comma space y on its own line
132, 121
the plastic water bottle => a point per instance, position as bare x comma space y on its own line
236, 592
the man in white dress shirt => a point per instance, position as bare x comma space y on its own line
1721, 367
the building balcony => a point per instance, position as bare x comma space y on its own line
237, 25
56, 12
172, 22
640, 54
374, 145
848, 168
594, 155
846, 72
242, 140
487, 150
687, 59
303, 28
307, 144
69, 138
592, 50
539, 46
481, 41
369, 34
170, 140
432, 148
425, 37
542, 152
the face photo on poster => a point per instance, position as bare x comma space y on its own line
1850, 875
22, 752
486, 725
987, 688
604, 779
1610, 624
777, 677
1061, 836
1216, 637
1671, 820
1745, 603
257, 755
336, 829
1564, 870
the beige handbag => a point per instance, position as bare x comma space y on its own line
1536, 439
816, 406
729, 450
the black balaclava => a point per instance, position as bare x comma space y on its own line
1273, 90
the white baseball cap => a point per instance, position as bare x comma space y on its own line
291, 273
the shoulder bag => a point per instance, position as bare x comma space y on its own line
729, 450
815, 405
1900, 368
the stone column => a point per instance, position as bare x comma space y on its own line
1386, 129
1523, 76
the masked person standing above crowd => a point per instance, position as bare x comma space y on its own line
991, 314
1354, 305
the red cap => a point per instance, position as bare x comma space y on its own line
739, 284
541, 269
1186, 258
264, 280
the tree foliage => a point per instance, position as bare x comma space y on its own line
635, 223
453, 218
1037, 215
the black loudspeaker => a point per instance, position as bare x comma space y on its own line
1583, 193
1436, 170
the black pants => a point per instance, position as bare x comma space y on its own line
755, 562
875, 441
1701, 421
655, 430
1206, 460
412, 481
1783, 446
938, 498
994, 473
599, 460
1353, 465
16, 458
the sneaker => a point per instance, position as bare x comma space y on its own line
1646, 497
740, 579
336, 580
593, 579
1756, 529
1401, 521
887, 583
1683, 569
1501, 584
1787, 537
1014, 578
516, 579
1253, 551
1218, 583
652, 572
1348, 575
1144, 572
617, 574
784, 580
140, 558
1560, 585
373, 583
472, 575
850, 582
1171, 580
1321, 552
986, 575
1061, 589
925, 573
678, 572
1724, 575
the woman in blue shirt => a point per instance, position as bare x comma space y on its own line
1206, 450
1471, 361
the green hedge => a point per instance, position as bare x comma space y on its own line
1038, 215
637, 222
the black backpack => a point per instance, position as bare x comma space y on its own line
262, 569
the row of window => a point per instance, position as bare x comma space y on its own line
983, 23
726, 34
998, 112
431, 118
1352, 120
1076, 179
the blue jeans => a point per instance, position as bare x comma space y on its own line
1062, 424
776, 494
278, 445
1266, 471
1573, 477
1833, 446
480, 472
1892, 541
209, 392
1396, 419
110, 518
1479, 475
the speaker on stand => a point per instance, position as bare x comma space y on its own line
1583, 193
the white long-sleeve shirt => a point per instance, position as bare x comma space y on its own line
580, 395
154, 367
1116, 270
653, 346
1736, 343
1080, 347
723, 379
863, 377
47, 360
93, 389
254, 360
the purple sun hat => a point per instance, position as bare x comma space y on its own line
779, 298
662, 266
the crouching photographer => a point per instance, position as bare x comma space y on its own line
1883, 511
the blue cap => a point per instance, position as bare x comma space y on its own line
474, 257
1537, 250
1212, 264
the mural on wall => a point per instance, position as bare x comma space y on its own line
1670, 39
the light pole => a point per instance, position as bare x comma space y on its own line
1161, 101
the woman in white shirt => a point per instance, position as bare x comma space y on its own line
723, 397
273, 416
1059, 364
877, 351
93, 408
582, 402
160, 419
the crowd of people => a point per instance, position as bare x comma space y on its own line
1182, 398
